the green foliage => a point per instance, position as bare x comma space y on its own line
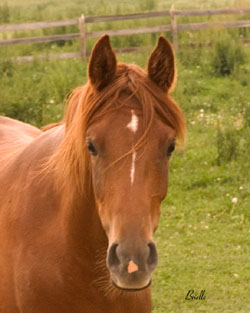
7, 67
233, 138
246, 114
4, 13
190, 56
148, 5
227, 56
35, 92
227, 145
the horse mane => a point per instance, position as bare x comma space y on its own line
71, 159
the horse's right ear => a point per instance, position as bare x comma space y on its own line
102, 64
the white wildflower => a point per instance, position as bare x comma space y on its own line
235, 200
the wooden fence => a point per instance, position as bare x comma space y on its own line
82, 35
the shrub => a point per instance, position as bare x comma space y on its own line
228, 54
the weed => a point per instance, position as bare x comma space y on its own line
227, 145
227, 56
233, 139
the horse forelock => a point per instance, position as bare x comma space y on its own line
71, 161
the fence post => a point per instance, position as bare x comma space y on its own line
81, 24
174, 28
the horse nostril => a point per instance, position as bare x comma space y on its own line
152, 258
112, 258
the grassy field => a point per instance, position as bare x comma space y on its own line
204, 234
32, 10
14, 11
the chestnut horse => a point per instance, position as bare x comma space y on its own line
80, 201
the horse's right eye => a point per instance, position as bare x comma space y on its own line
91, 148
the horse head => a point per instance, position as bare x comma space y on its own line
130, 136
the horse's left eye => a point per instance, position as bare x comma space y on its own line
91, 147
171, 148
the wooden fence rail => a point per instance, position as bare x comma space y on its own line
173, 27
37, 25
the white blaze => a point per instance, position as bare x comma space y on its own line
133, 126
132, 170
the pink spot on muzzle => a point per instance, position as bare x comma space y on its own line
132, 267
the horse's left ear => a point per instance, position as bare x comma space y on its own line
102, 64
161, 65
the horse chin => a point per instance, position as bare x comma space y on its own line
131, 289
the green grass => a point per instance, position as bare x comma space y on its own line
204, 237
204, 234
35, 10
14, 11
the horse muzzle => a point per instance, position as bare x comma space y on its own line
131, 265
